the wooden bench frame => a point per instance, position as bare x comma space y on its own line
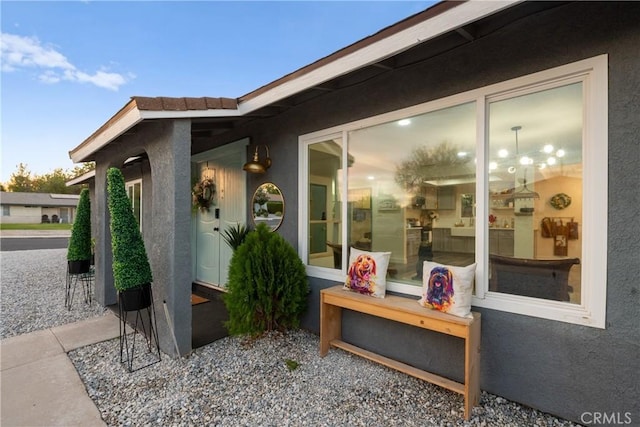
404, 310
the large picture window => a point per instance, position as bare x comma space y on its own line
494, 176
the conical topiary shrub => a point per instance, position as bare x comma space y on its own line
267, 285
131, 269
79, 250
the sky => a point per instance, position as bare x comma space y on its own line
69, 66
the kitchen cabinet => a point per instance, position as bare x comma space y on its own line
463, 244
443, 241
447, 197
431, 198
501, 241
440, 197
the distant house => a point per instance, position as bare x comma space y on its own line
34, 208
469, 132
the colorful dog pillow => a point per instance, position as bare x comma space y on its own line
448, 288
367, 272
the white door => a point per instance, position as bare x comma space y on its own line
212, 254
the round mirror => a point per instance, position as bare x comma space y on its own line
268, 206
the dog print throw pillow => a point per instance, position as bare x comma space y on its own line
367, 272
448, 288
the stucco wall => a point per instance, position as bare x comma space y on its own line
556, 367
165, 223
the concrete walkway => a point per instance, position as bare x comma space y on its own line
21, 234
39, 384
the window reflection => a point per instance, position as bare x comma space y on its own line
325, 237
405, 183
535, 146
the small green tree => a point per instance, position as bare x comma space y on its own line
80, 241
267, 285
131, 267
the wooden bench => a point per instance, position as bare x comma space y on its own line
404, 310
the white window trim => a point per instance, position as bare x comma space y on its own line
130, 184
593, 72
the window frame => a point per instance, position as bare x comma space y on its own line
593, 73
132, 184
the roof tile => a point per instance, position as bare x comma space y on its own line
165, 103
173, 104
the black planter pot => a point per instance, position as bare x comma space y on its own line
79, 267
136, 298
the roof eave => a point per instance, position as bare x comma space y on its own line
122, 121
307, 77
450, 19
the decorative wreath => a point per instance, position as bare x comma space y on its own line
560, 201
203, 193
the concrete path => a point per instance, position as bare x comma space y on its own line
20, 234
39, 385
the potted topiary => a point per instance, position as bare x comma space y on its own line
131, 269
267, 286
79, 250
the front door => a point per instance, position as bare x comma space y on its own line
212, 254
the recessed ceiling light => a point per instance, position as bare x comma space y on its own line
525, 160
503, 153
551, 161
560, 153
548, 148
462, 153
371, 177
404, 122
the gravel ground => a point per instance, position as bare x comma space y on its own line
33, 284
235, 381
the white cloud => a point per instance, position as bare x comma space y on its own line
20, 52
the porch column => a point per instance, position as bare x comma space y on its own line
105, 292
169, 150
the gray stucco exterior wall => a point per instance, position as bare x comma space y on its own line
166, 222
557, 367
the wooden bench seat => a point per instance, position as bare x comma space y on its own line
404, 310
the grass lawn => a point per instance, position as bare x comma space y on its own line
4, 226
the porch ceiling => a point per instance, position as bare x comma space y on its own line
215, 116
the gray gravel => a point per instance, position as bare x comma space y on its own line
33, 284
235, 381
238, 382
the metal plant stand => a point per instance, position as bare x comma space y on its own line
142, 325
86, 281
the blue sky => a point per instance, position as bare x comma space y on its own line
68, 66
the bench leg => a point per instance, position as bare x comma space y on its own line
330, 325
472, 369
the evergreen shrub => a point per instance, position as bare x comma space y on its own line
80, 241
131, 267
267, 285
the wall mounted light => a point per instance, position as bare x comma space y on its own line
257, 166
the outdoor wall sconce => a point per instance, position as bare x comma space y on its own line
255, 165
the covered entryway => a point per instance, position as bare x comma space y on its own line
223, 166
211, 254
